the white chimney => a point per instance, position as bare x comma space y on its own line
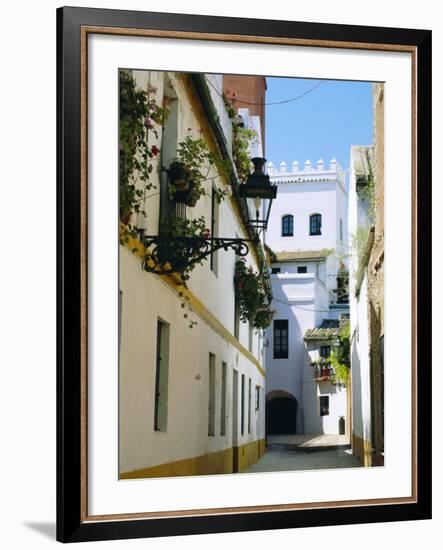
282, 167
333, 164
270, 168
308, 166
320, 165
295, 166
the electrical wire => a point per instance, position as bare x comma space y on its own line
271, 102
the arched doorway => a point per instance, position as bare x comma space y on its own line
281, 413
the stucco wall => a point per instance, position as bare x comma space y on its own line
145, 298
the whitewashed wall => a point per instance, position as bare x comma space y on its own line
361, 409
302, 193
312, 390
145, 299
294, 298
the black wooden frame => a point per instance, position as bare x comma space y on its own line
70, 526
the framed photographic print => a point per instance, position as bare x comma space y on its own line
243, 216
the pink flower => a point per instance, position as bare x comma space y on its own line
149, 123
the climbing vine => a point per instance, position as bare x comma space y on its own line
140, 116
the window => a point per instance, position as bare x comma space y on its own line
341, 229
302, 269
168, 151
161, 378
236, 302
214, 231
223, 400
250, 336
281, 339
236, 317
242, 405
275, 270
287, 226
315, 224
257, 398
325, 351
324, 405
249, 405
211, 400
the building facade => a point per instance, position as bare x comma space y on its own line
307, 246
366, 226
192, 374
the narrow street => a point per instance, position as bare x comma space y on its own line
290, 452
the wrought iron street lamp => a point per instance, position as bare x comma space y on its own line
169, 254
258, 187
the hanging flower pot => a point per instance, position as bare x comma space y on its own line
191, 195
179, 176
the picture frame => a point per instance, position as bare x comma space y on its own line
74, 522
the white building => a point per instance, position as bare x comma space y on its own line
307, 242
191, 399
361, 229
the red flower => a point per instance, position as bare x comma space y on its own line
155, 150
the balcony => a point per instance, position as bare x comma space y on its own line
322, 371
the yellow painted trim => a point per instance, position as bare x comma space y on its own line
219, 462
176, 284
362, 449
249, 453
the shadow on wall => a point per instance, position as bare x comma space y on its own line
357, 406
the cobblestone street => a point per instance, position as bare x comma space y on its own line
288, 453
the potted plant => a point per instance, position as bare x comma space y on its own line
190, 169
252, 296
179, 175
181, 241
263, 317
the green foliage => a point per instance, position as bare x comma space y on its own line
232, 112
188, 309
340, 357
358, 244
242, 139
139, 116
182, 240
252, 296
369, 191
196, 162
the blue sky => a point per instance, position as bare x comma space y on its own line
322, 124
